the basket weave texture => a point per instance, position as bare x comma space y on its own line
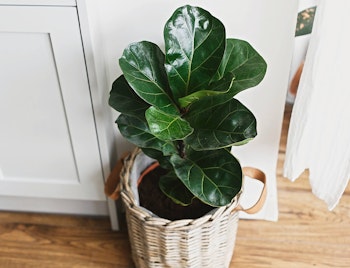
206, 242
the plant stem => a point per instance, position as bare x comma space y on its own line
181, 148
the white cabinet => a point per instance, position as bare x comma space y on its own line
50, 158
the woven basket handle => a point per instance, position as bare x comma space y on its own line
257, 174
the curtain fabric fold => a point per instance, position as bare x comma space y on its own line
319, 133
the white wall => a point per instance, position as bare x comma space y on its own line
267, 24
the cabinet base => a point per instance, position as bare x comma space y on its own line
42, 205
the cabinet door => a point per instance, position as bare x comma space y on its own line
48, 143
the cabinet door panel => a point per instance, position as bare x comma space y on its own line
33, 122
48, 143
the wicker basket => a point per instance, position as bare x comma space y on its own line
156, 242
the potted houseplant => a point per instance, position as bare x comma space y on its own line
179, 108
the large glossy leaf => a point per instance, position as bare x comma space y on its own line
194, 45
166, 126
218, 126
220, 87
135, 130
124, 99
172, 187
241, 59
143, 66
215, 177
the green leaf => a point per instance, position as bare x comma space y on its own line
166, 126
135, 130
123, 98
164, 160
214, 177
223, 85
218, 126
186, 101
143, 66
194, 45
172, 187
216, 88
241, 59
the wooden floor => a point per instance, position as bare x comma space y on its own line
306, 235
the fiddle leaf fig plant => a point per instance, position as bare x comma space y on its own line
178, 106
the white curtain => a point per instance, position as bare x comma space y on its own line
319, 134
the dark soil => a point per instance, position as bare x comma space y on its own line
152, 198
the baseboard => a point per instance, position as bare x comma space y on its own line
45, 205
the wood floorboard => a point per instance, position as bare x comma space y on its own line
306, 234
